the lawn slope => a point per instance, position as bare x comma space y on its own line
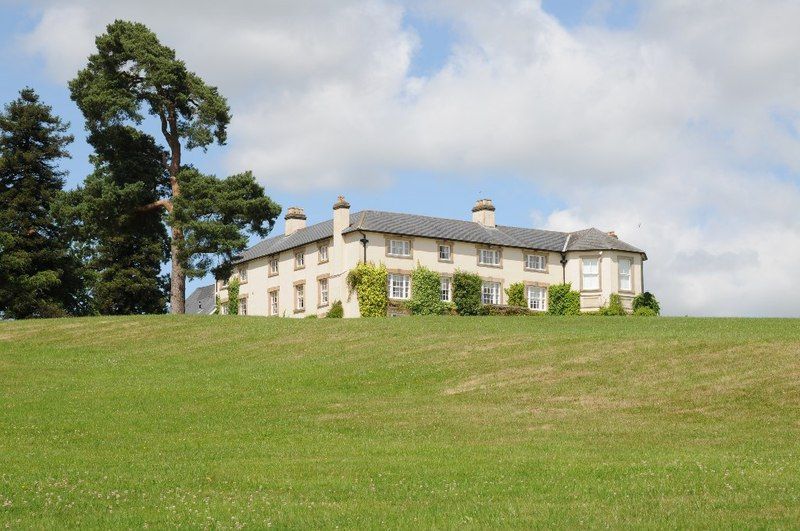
437, 422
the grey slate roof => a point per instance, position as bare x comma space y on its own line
595, 240
201, 301
276, 244
445, 229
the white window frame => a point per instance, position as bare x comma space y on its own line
400, 248
323, 254
243, 306
483, 254
490, 292
243, 275
626, 277
531, 260
399, 286
446, 289
274, 301
299, 259
449, 253
324, 293
590, 270
300, 298
274, 264
537, 298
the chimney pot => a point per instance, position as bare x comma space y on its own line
341, 203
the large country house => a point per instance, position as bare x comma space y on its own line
303, 271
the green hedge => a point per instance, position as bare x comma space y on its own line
467, 293
370, 282
505, 309
562, 300
614, 306
426, 293
515, 294
646, 300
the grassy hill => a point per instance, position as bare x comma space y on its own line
437, 422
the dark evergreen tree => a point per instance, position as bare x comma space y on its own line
125, 244
40, 272
133, 73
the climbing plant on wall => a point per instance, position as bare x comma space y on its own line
426, 293
370, 282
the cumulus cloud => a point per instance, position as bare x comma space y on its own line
680, 132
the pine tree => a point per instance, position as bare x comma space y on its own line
131, 74
40, 273
125, 245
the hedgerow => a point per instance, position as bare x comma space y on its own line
370, 282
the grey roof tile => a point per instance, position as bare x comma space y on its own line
444, 229
593, 240
276, 244
201, 301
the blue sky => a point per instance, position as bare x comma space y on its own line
566, 113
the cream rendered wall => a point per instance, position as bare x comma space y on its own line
425, 252
259, 283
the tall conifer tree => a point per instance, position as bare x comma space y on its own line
132, 73
40, 273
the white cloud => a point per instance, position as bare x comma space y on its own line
63, 38
669, 132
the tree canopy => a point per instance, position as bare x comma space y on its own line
133, 75
40, 273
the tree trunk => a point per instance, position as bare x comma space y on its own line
177, 292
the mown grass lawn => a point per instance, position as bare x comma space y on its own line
417, 422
